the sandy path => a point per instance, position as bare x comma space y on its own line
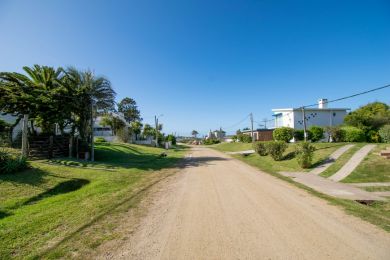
220, 208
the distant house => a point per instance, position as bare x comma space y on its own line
260, 134
100, 130
216, 134
318, 116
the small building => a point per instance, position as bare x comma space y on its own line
260, 134
216, 134
318, 116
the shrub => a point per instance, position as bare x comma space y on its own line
353, 134
100, 140
299, 135
304, 153
261, 148
244, 138
211, 141
384, 133
283, 134
336, 133
317, 133
276, 149
373, 136
171, 138
10, 163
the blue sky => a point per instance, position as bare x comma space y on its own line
206, 64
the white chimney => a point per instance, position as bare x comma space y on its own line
323, 103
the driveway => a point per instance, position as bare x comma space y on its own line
219, 208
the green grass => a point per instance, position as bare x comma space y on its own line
374, 168
342, 160
290, 164
53, 211
232, 147
377, 188
377, 213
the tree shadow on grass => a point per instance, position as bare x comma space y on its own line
4, 214
60, 188
289, 156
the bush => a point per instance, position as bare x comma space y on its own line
10, 163
336, 133
373, 136
283, 134
384, 133
100, 140
304, 153
276, 149
353, 134
261, 148
299, 135
211, 141
317, 133
244, 138
171, 138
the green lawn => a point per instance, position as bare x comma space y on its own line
374, 168
342, 160
377, 188
266, 163
377, 213
53, 211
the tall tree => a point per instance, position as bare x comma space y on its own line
90, 93
194, 133
40, 93
369, 117
129, 108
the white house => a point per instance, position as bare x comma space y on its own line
100, 130
319, 116
12, 120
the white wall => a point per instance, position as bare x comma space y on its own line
319, 118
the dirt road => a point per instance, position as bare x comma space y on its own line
220, 208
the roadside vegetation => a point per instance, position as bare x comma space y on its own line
67, 208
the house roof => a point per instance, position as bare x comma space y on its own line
275, 110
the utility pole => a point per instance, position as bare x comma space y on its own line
304, 124
265, 123
25, 136
92, 141
253, 137
156, 122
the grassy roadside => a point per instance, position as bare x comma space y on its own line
341, 160
53, 211
374, 168
377, 213
323, 150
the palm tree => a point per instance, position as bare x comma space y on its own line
40, 94
90, 93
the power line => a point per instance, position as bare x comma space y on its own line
351, 96
236, 124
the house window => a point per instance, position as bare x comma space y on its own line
334, 113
